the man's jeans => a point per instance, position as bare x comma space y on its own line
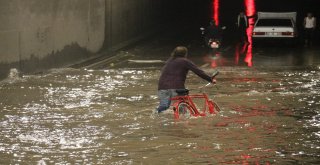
164, 97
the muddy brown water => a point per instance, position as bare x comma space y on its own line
79, 116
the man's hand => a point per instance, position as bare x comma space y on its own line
214, 81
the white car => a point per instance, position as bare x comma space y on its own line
271, 25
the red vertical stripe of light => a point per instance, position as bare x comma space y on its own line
250, 12
215, 12
250, 7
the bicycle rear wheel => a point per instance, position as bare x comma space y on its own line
185, 110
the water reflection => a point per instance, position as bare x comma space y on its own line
248, 58
241, 50
69, 116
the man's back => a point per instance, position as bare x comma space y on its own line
175, 71
174, 74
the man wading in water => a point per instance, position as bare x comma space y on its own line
174, 74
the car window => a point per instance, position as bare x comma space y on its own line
274, 22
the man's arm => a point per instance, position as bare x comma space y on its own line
198, 71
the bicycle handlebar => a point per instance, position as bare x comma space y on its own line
214, 74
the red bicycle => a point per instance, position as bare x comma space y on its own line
184, 106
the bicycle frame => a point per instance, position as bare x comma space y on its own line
194, 111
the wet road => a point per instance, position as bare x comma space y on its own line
270, 112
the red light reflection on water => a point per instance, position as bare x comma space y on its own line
245, 120
248, 58
240, 50
237, 55
250, 11
214, 60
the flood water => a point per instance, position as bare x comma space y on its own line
80, 116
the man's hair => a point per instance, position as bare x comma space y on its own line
179, 51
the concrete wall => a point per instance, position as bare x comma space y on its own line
40, 34
129, 21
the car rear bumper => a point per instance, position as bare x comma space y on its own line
278, 40
273, 38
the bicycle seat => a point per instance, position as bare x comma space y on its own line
182, 92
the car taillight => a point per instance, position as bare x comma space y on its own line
287, 33
259, 33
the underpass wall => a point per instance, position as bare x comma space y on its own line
36, 35
42, 34
129, 21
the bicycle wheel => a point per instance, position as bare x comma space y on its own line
185, 110
216, 107
213, 107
